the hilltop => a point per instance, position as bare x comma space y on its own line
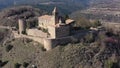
98, 49
89, 53
10, 16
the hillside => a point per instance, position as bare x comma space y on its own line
102, 14
97, 49
10, 16
105, 3
85, 54
101, 10
66, 6
4, 34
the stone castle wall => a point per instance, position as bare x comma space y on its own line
43, 23
62, 31
56, 31
49, 43
21, 26
51, 31
36, 33
59, 32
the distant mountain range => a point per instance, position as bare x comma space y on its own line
106, 10
65, 5
6, 3
105, 3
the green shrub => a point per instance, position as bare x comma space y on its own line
25, 64
83, 23
43, 49
96, 23
101, 36
23, 32
28, 40
17, 65
45, 30
89, 38
3, 63
8, 48
0, 63
109, 63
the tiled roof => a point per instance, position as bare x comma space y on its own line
68, 21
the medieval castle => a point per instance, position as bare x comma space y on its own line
56, 30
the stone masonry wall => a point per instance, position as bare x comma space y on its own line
21, 25
51, 43
62, 31
51, 31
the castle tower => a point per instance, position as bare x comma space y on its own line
60, 21
55, 18
21, 24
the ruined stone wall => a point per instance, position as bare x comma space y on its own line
22, 26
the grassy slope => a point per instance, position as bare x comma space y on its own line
21, 52
68, 56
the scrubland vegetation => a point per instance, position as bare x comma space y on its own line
93, 50
99, 49
10, 16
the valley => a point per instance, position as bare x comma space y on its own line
107, 14
104, 10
